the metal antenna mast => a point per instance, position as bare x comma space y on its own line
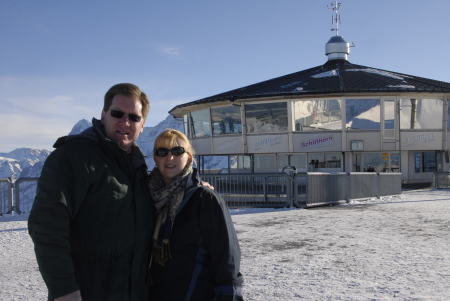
336, 17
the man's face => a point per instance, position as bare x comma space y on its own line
121, 121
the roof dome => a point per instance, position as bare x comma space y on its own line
337, 48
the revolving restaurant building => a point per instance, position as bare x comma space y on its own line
335, 117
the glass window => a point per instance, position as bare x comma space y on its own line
282, 161
186, 125
296, 160
380, 162
332, 160
421, 113
266, 117
418, 162
226, 120
240, 163
429, 161
356, 161
362, 114
213, 164
299, 161
265, 162
389, 114
374, 162
317, 115
200, 123
425, 161
316, 161
395, 162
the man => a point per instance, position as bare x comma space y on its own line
91, 221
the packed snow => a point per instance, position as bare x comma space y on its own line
381, 73
330, 73
401, 86
390, 248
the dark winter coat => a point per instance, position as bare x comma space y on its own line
91, 221
205, 254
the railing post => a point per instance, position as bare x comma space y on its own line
349, 187
17, 196
265, 188
435, 180
379, 185
291, 183
5, 195
307, 189
10, 195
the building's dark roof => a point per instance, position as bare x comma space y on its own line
337, 76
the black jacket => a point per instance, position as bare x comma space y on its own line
91, 220
205, 254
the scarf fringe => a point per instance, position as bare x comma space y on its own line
161, 252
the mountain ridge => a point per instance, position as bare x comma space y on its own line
28, 162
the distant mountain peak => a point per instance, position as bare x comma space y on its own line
80, 126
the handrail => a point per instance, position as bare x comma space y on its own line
17, 191
10, 194
299, 189
14, 203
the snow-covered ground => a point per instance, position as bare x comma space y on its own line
394, 248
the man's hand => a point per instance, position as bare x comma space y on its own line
206, 184
75, 296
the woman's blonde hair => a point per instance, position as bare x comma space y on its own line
169, 138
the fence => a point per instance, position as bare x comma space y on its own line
442, 179
301, 189
12, 195
6, 192
328, 188
254, 190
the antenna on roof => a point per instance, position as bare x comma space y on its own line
336, 17
336, 48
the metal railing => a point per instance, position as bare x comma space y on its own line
301, 189
252, 190
442, 180
12, 195
6, 192
326, 188
273, 190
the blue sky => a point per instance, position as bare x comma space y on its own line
58, 57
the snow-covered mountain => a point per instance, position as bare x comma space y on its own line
146, 139
80, 126
9, 167
13, 163
28, 162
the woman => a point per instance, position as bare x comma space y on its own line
196, 254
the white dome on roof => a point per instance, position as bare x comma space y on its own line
337, 48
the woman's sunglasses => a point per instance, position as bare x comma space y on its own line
119, 114
176, 151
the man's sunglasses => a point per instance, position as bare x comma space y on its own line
119, 114
176, 151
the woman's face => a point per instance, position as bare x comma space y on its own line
172, 165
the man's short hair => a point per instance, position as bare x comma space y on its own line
127, 89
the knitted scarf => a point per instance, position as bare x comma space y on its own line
167, 198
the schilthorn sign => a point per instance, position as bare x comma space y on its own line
317, 142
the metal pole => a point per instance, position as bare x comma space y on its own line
290, 183
349, 187
10, 195
2, 196
17, 196
265, 188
